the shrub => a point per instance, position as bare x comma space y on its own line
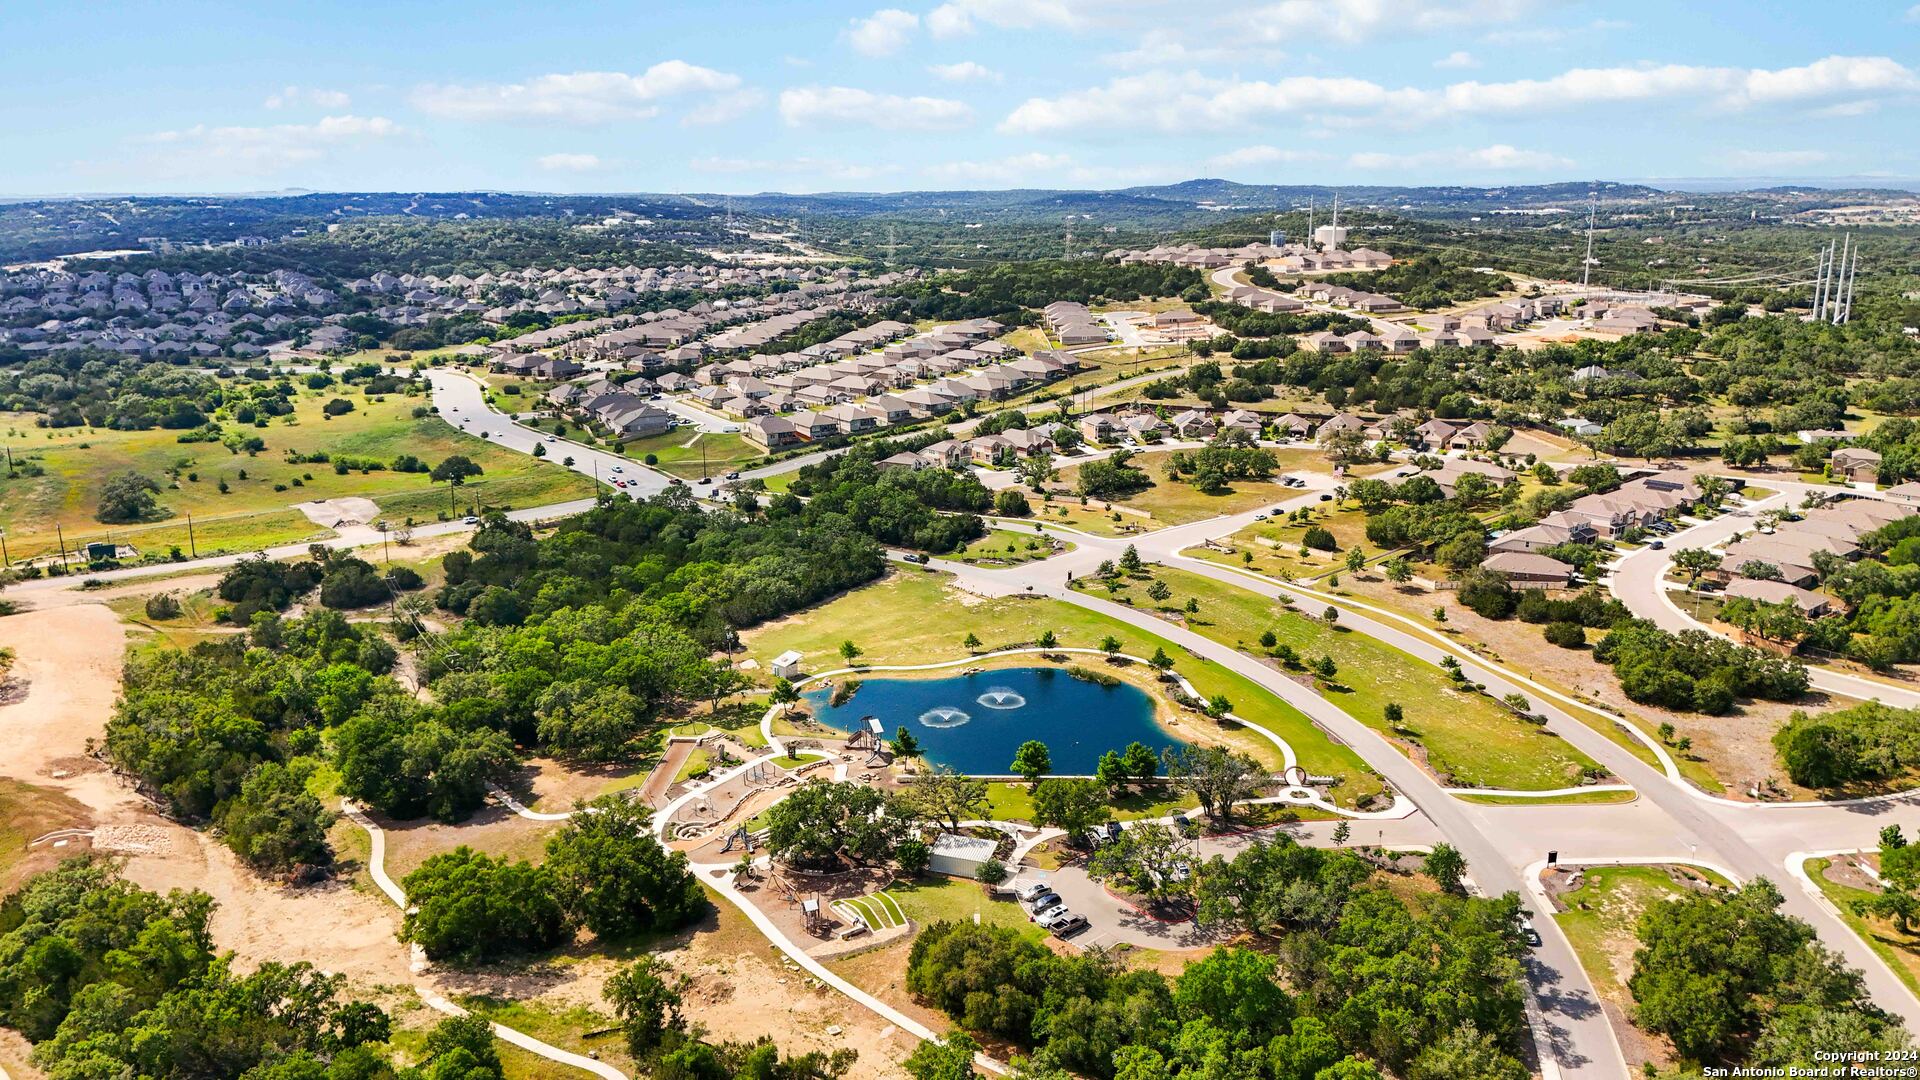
163, 606
1566, 635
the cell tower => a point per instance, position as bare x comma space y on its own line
1066, 243
892, 245
1586, 265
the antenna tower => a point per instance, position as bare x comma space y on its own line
1586, 265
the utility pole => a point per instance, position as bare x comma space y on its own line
62, 536
1586, 265
193, 550
5, 559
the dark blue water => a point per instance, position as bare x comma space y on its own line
974, 723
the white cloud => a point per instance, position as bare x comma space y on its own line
1178, 102
964, 71
1156, 51
570, 162
1496, 158
1913, 13
959, 17
846, 105
1458, 58
291, 96
1352, 22
581, 97
883, 33
1017, 170
273, 147
1247, 156
1776, 159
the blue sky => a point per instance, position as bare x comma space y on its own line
174, 95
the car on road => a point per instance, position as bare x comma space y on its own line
1261, 516
1657, 545
1044, 903
706, 480
1032, 890
619, 468
733, 476
553, 438
1325, 497
620, 483
1529, 933
1183, 824
676, 482
1069, 926
920, 557
1054, 918
469, 520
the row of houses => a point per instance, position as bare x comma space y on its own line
1835, 529
1637, 503
621, 408
1357, 299
960, 353
1073, 324
855, 414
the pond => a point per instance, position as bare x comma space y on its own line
974, 723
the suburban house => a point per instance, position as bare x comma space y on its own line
1526, 568
1295, 426
1541, 536
1857, 464
1193, 424
1099, 427
771, 432
1811, 604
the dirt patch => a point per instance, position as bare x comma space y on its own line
71, 658
340, 513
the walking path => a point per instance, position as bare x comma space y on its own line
377, 869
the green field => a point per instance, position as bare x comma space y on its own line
1176, 502
679, 453
912, 617
1465, 734
1004, 547
252, 513
932, 899
878, 910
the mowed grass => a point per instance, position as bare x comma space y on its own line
1276, 544
1004, 547
933, 898
561, 1026
679, 452
251, 513
1466, 735
1176, 502
913, 617
1900, 950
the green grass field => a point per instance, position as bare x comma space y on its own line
878, 910
1175, 502
257, 510
1011, 802
912, 617
1466, 735
679, 453
932, 899
1901, 951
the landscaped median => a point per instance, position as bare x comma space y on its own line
1899, 948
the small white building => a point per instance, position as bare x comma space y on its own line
960, 856
787, 665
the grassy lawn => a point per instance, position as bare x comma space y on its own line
697, 764
255, 511
912, 617
1004, 547
679, 453
1466, 735
1581, 799
878, 910
1277, 546
1176, 502
932, 898
1901, 951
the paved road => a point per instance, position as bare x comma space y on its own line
462, 402
1502, 843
